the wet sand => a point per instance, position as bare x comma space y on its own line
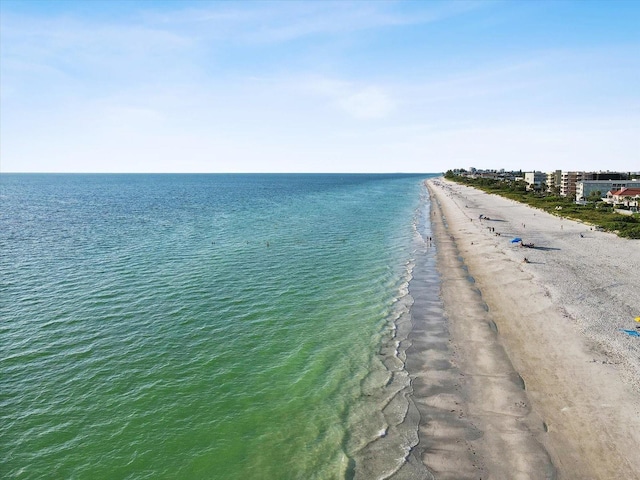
530, 377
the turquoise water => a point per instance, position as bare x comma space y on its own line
205, 326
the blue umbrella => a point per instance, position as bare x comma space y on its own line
516, 240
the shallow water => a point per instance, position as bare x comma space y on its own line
206, 326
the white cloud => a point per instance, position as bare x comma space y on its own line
276, 22
368, 103
569, 144
362, 102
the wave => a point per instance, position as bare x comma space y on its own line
384, 430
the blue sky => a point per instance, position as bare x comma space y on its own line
420, 86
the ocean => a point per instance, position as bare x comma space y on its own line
208, 326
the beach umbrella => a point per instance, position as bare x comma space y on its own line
638, 319
516, 240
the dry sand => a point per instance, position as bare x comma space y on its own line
534, 378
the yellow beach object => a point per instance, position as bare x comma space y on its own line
638, 319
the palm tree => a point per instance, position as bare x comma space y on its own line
595, 196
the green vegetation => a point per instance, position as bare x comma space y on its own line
595, 212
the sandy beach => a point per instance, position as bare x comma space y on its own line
535, 377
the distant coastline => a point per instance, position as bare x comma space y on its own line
612, 205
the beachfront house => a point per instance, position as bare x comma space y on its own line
625, 197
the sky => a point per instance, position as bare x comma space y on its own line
332, 86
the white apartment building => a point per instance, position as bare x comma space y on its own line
569, 182
534, 179
554, 179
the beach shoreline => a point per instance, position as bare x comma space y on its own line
538, 380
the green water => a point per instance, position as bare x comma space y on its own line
201, 326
